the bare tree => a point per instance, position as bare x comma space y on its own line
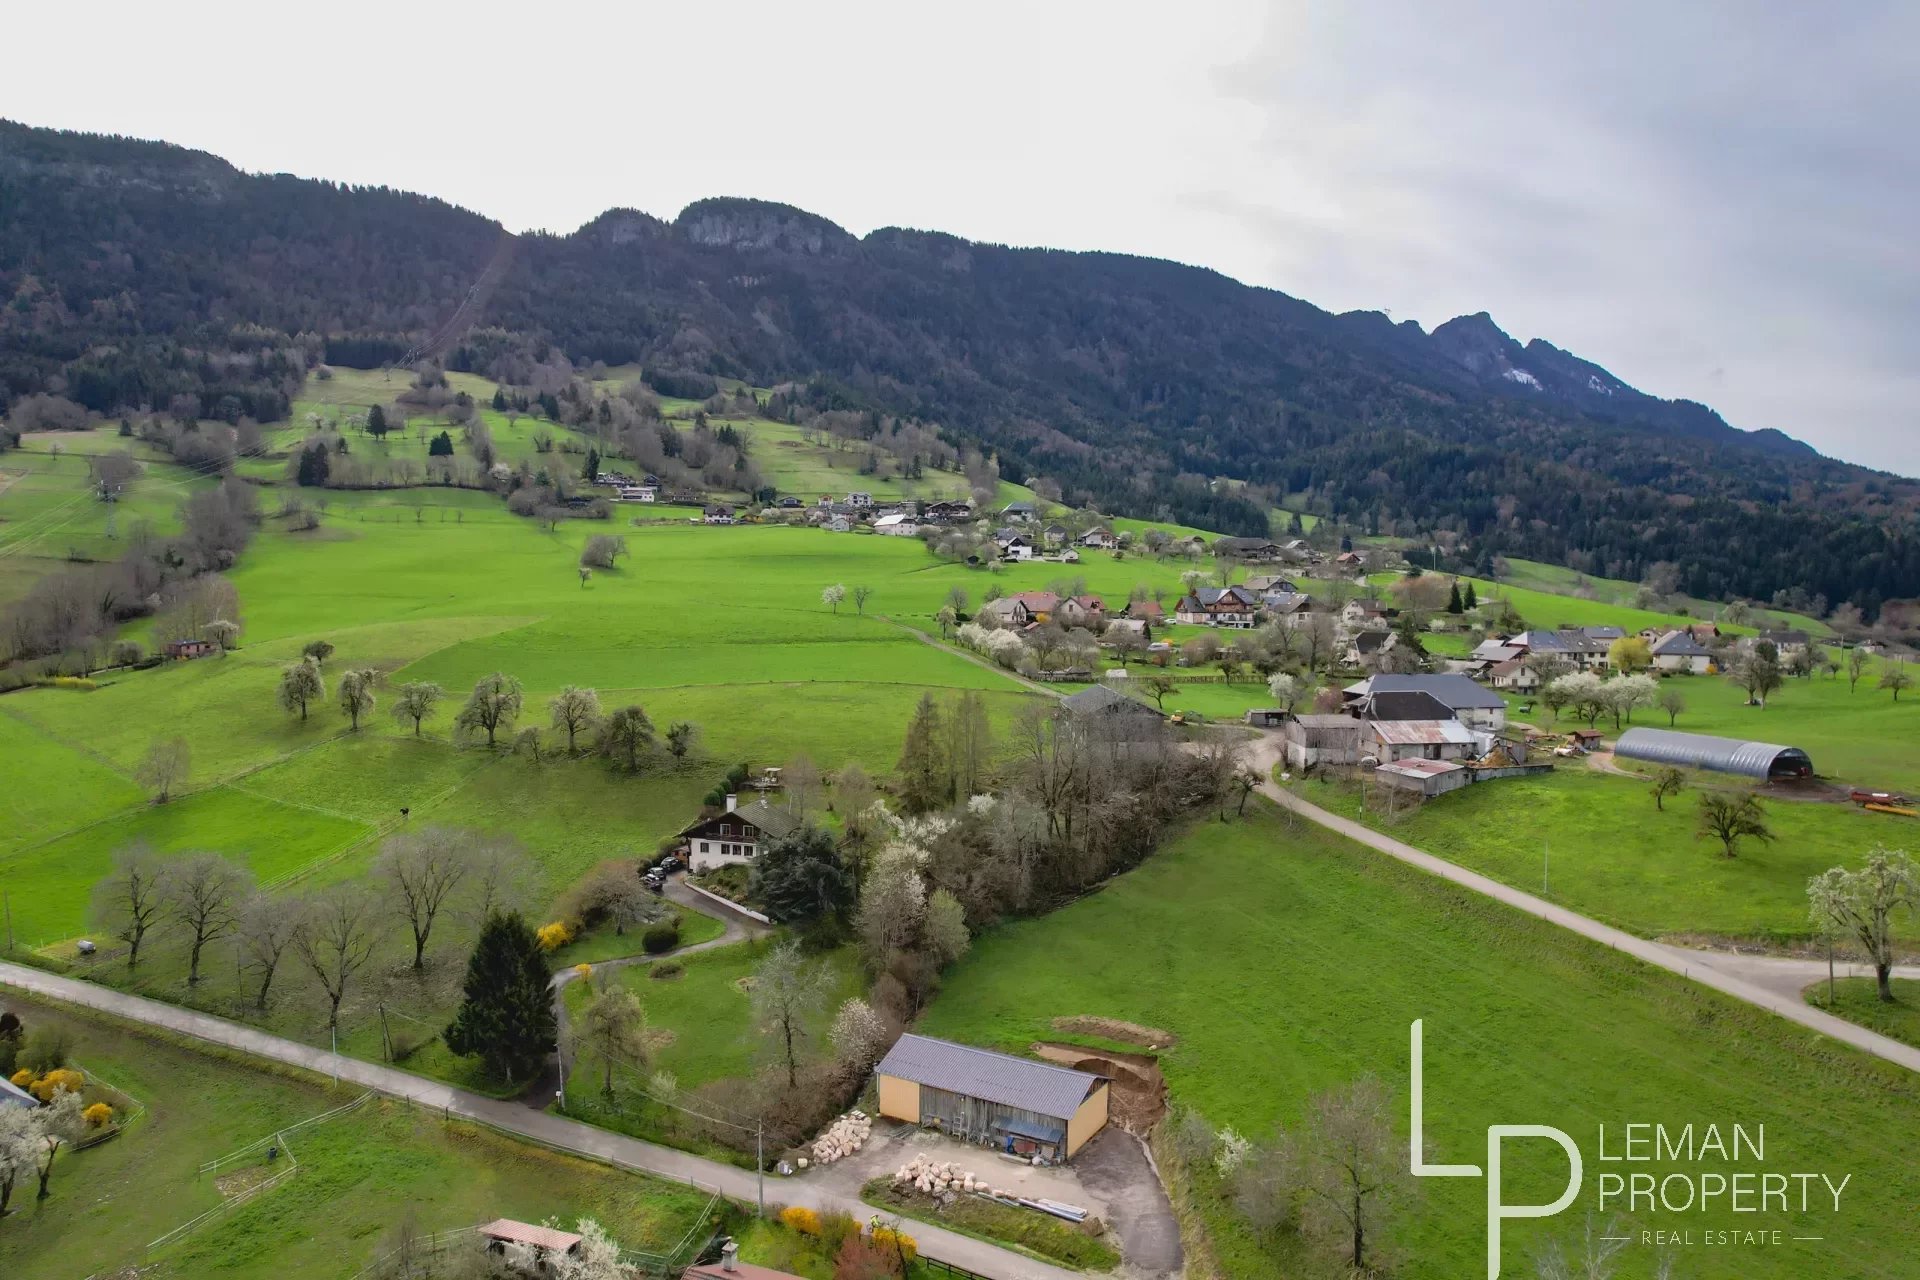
415, 702
268, 924
337, 940
130, 901
801, 780
787, 991
421, 871
356, 694
1667, 782
576, 710
1730, 817
862, 594
1340, 1174
613, 1028
493, 706
165, 767
203, 893
503, 878
1673, 702
1856, 666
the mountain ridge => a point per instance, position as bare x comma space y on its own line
1130, 382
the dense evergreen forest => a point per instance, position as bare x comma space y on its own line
139, 274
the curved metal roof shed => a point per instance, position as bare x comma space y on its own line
1761, 760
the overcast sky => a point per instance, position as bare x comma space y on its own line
1716, 202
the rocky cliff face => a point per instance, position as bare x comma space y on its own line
760, 225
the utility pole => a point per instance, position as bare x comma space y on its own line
760, 1162
1546, 861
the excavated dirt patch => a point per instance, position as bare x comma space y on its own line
1115, 1029
233, 1184
1139, 1091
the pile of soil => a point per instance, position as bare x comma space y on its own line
1138, 1095
233, 1184
1115, 1029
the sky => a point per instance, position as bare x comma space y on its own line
1714, 201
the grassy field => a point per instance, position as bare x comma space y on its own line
1858, 1000
1559, 580
1859, 736
702, 1017
360, 1175
1605, 851
1288, 961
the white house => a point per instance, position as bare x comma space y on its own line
898, 525
858, 499
736, 835
1100, 539
638, 493
1679, 651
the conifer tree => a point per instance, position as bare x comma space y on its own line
506, 1017
1471, 600
924, 778
1454, 603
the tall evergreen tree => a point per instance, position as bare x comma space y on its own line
924, 781
506, 1017
801, 878
313, 466
591, 468
1454, 603
377, 423
1471, 600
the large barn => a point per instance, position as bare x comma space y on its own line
1021, 1106
1762, 760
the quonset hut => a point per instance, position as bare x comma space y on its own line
1762, 760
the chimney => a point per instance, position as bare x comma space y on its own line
728, 1253
733, 802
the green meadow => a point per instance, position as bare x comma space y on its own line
360, 1175
1596, 843
1286, 960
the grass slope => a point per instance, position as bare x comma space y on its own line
1289, 961
359, 1175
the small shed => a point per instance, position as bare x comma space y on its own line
1426, 777
1266, 717
1019, 1105
545, 1242
1763, 760
186, 649
1322, 739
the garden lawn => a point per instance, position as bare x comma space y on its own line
360, 1175
1289, 961
1608, 853
1858, 1000
704, 1015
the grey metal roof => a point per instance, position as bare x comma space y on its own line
1680, 644
12, 1095
778, 824
1414, 704
1454, 691
1703, 751
1421, 733
1102, 699
1039, 1087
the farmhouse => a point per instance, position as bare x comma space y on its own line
897, 525
1762, 760
1463, 699
1099, 539
1392, 740
638, 493
1513, 674
1261, 583
1013, 544
944, 512
838, 524
1018, 1105
1785, 643
1020, 609
1256, 550
1679, 651
1081, 611
859, 498
1018, 511
1368, 647
1358, 613
1146, 610
1218, 607
740, 834
717, 513
1315, 740
1290, 608
185, 650
1583, 647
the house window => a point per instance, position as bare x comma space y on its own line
703, 846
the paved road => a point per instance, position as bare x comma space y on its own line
513, 1117
1759, 984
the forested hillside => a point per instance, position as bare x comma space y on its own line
138, 274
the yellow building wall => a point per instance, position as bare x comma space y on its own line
1090, 1119
900, 1099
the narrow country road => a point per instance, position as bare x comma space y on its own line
515, 1118
1765, 982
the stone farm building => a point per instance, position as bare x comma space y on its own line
739, 834
1322, 739
1019, 1105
